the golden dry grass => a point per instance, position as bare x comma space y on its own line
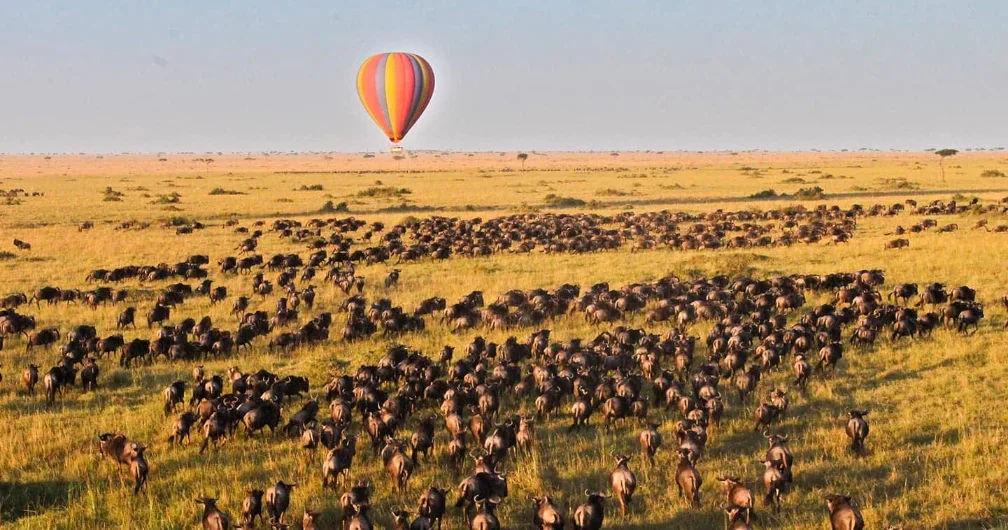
938, 442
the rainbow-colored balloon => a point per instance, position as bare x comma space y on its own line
395, 88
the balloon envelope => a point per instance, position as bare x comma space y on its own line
395, 88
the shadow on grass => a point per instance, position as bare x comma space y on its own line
24, 499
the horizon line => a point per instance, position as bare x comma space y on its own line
496, 151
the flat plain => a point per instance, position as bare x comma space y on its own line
938, 411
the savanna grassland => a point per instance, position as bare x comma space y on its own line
939, 412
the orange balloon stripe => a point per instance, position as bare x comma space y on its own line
405, 87
392, 75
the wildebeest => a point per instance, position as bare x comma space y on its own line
738, 495
688, 479
398, 464
432, 505
352, 501
213, 518
181, 427
89, 375
174, 394
623, 482
30, 378
482, 484
126, 318
545, 515
278, 499
138, 466
158, 314
252, 508
485, 518
53, 383
650, 441
775, 481
43, 337
857, 430
843, 514
591, 514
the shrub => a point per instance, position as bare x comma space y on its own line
222, 191
557, 201
112, 195
171, 198
6, 255
313, 187
329, 207
810, 194
993, 174
612, 192
406, 207
384, 192
899, 183
765, 194
793, 180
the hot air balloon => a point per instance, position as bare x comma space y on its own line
395, 88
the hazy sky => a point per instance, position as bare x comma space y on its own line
251, 75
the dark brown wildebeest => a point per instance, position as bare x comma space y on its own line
857, 430
897, 243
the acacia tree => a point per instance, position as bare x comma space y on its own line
943, 154
522, 157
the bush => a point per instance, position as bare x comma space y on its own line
112, 195
557, 201
612, 192
222, 191
406, 207
384, 192
6, 255
793, 180
765, 194
329, 207
810, 194
899, 183
171, 198
313, 187
993, 174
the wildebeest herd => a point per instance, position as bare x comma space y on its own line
475, 406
